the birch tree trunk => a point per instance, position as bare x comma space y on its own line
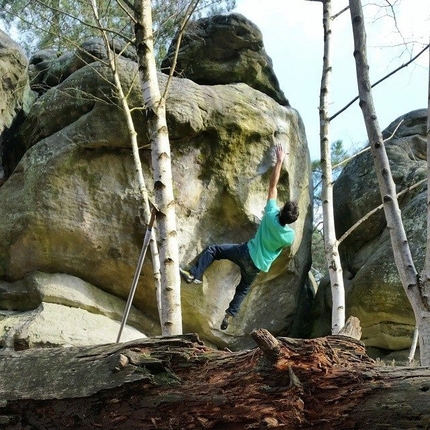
161, 163
405, 265
425, 276
427, 261
330, 242
136, 157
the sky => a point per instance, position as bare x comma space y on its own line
293, 38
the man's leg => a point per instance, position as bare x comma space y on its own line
246, 279
238, 254
212, 253
233, 308
241, 291
248, 272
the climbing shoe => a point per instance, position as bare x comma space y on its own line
225, 321
188, 277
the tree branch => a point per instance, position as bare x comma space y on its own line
380, 80
190, 10
95, 27
339, 13
128, 13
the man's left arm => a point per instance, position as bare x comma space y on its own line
276, 172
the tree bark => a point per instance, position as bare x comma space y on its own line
178, 383
135, 150
410, 279
155, 110
330, 242
425, 274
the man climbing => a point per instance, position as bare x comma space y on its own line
258, 254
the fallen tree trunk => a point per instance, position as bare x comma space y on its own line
178, 383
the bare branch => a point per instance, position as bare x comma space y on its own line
127, 11
191, 8
81, 21
369, 214
361, 220
381, 80
368, 148
340, 12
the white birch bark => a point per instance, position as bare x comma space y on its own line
424, 328
136, 157
330, 241
161, 163
427, 260
405, 265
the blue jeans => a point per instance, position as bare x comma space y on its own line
238, 254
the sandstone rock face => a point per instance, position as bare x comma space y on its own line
47, 69
374, 292
222, 50
13, 80
72, 206
57, 309
15, 94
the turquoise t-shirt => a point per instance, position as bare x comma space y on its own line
270, 238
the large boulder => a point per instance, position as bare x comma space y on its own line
59, 309
14, 82
224, 49
15, 94
374, 292
72, 205
47, 69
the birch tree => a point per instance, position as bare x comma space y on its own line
425, 335
415, 288
330, 243
338, 157
155, 111
166, 274
112, 61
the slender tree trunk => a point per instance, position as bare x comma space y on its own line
427, 260
425, 276
136, 157
161, 163
402, 255
330, 241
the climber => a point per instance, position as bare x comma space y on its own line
258, 254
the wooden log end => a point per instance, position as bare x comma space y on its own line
268, 344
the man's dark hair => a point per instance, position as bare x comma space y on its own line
289, 213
